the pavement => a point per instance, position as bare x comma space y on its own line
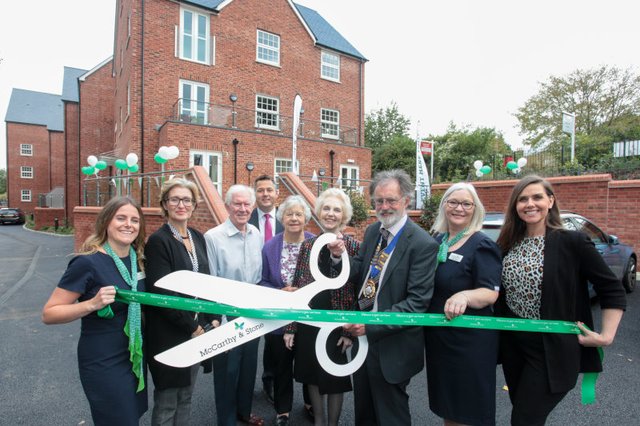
39, 383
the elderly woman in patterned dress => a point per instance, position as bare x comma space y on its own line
279, 259
333, 209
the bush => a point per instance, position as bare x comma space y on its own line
360, 208
430, 211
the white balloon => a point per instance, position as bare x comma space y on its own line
92, 160
479, 173
164, 152
132, 159
477, 164
173, 152
522, 162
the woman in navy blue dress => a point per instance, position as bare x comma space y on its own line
111, 332
461, 362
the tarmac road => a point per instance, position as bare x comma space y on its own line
39, 382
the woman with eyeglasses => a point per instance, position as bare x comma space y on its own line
461, 362
174, 247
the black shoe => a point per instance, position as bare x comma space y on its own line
267, 388
282, 420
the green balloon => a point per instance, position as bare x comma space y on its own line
159, 159
511, 165
121, 164
485, 169
134, 168
101, 165
88, 170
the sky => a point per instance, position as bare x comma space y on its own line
470, 62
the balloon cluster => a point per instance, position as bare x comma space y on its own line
130, 163
481, 169
94, 165
166, 153
516, 167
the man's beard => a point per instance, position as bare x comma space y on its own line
388, 221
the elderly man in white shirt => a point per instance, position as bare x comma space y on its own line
234, 251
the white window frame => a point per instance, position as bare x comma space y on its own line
196, 38
198, 108
25, 195
206, 163
327, 68
329, 129
350, 182
267, 48
26, 149
263, 114
128, 99
282, 165
26, 172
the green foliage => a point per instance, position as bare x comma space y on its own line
381, 126
398, 153
456, 151
430, 211
3, 181
602, 98
360, 208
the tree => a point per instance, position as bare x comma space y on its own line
602, 98
381, 126
3, 181
456, 151
398, 153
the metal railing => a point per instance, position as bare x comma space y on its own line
232, 117
96, 191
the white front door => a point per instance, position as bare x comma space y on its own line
212, 163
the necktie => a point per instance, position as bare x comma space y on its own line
385, 236
268, 232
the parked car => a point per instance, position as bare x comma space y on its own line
619, 256
10, 215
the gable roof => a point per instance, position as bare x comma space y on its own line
323, 33
70, 91
29, 107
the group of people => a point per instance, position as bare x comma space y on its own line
536, 270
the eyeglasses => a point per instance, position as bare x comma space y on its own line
174, 201
389, 201
466, 205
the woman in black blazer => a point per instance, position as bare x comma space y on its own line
174, 247
545, 275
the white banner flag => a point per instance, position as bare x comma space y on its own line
423, 188
297, 107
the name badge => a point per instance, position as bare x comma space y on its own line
456, 257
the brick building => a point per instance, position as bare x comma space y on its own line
218, 80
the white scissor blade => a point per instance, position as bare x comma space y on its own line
219, 340
223, 290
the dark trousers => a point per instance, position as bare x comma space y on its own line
282, 360
376, 401
526, 374
234, 377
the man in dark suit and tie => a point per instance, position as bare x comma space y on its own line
395, 269
264, 218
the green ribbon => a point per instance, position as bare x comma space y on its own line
375, 318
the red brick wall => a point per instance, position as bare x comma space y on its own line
40, 138
85, 219
46, 217
72, 164
612, 205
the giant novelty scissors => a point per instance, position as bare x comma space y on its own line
243, 329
